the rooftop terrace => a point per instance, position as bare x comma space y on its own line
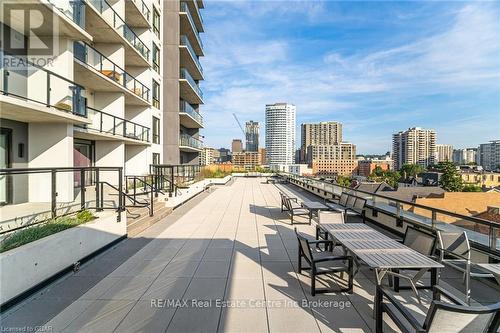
232, 244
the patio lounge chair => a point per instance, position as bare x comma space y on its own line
327, 217
317, 259
455, 316
294, 209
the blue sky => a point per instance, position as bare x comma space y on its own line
377, 67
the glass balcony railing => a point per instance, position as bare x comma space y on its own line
74, 10
103, 122
143, 8
186, 140
187, 108
186, 76
198, 10
115, 20
90, 56
185, 42
27, 81
185, 9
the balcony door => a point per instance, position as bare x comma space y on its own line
5, 162
83, 156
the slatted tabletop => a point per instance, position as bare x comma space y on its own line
376, 249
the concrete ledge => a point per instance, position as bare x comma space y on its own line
29, 265
195, 189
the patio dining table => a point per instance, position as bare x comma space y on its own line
382, 253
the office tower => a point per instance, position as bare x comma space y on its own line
280, 133
236, 146
224, 155
444, 153
95, 97
414, 146
252, 136
488, 155
465, 156
182, 72
323, 133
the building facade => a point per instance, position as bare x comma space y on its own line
182, 96
334, 167
414, 146
252, 136
236, 146
341, 151
487, 179
248, 159
224, 155
488, 155
209, 156
321, 134
366, 167
280, 133
465, 156
444, 153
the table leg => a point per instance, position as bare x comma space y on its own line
434, 276
396, 281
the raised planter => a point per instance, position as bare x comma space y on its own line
29, 265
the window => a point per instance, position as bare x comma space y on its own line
156, 23
156, 158
156, 58
156, 130
156, 94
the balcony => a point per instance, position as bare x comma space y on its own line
189, 117
189, 89
31, 93
108, 27
195, 14
69, 17
137, 13
189, 29
93, 69
105, 126
189, 59
188, 143
233, 246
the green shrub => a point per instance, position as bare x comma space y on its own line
31, 234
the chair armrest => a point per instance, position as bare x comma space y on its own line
294, 199
437, 291
454, 254
332, 258
408, 316
320, 241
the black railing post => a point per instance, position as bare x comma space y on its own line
48, 89
171, 181
6, 82
114, 124
151, 210
82, 189
102, 196
100, 127
97, 191
135, 185
121, 204
53, 196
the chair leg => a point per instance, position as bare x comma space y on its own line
313, 280
350, 284
300, 260
378, 312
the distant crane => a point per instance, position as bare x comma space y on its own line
239, 124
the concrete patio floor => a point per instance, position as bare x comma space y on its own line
225, 262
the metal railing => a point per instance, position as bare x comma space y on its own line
187, 108
33, 196
104, 122
186, 140
483, 234
23, 79
185, 9
172, 177
143, 8
109, 14
185, 41
74, 10
90, 56
186, 76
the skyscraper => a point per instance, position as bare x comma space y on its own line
444, 153
252, 136
465, 156
237, 146
488, 155
414, 146
280, 133
320, 134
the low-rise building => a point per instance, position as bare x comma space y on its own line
366, 167
486, 179
249, 159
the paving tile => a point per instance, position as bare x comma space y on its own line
218, 254
65, 317
287, 319
236, 320
245, 289
212, 269
146, 316
166, 288
206, 288
180, 269
191, 320
128, 288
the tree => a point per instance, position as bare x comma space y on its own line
411, 170
388, 176
450, 179
344, 181
471, 188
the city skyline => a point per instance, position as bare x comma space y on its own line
376, 68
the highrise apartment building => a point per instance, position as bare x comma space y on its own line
252, 136
209, 156
280, 134
182, 73
488, 155
414, 146
236, 146
323, 133
115, 85
444, 153
465, 156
